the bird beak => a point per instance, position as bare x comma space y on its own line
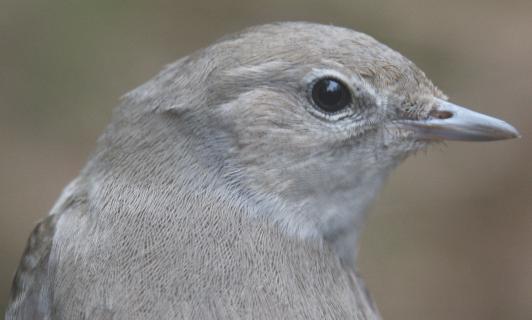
448, 121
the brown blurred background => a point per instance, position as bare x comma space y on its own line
450, 237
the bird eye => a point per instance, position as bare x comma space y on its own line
330, 95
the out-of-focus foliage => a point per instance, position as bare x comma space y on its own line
450, 238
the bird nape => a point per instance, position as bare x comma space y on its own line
234, 183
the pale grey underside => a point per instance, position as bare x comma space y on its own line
199, 258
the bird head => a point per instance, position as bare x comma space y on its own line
308, 119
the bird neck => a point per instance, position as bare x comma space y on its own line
326, 207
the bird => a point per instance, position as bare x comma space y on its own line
234, 184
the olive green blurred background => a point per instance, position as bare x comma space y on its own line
450, 237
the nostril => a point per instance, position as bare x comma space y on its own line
439, 114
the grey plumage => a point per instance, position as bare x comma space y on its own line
219, 191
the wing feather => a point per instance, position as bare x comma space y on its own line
30, 298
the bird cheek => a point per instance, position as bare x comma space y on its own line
400, 141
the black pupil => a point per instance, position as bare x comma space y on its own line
330, 95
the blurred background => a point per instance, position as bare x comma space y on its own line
451, 235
